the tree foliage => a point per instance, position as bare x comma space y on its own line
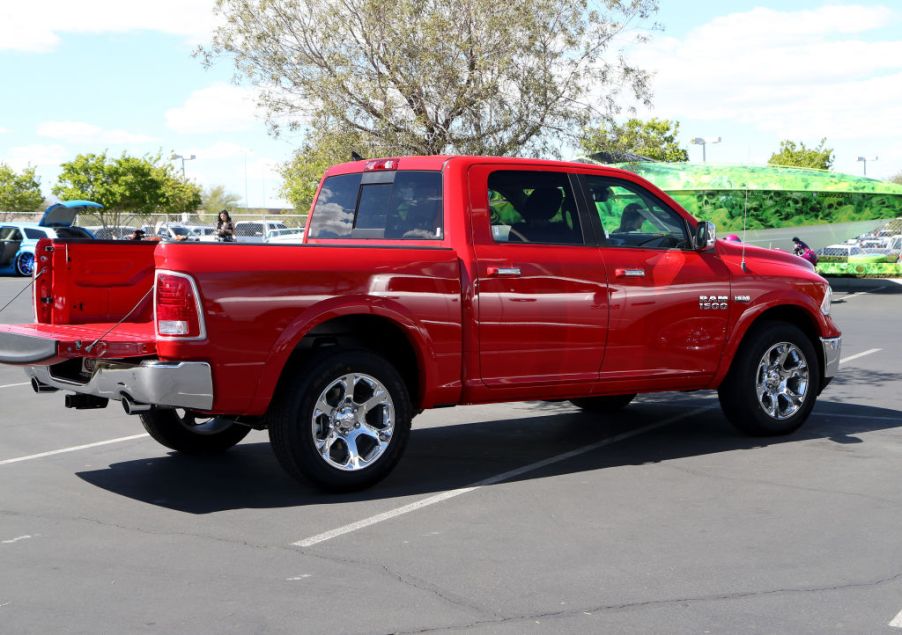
896, 179
655, 139
301, 175
216, 198
19, 192
792, 154
428, 76
126, 186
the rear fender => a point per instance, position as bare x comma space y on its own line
333, 308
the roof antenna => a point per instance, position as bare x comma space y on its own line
745, 220
355, 156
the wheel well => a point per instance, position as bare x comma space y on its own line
371, 332
796, 316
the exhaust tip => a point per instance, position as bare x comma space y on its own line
38, 387
131, 407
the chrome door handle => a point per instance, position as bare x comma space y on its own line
502, 271
629, 273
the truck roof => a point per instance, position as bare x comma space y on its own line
437, 162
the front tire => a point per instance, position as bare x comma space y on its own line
183, 432
341, 420
772, 385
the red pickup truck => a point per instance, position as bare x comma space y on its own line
427, 282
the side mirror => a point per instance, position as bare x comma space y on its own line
705, 235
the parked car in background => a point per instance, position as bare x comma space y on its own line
256, 231
288, 236
175, 231
202, 233
18, 240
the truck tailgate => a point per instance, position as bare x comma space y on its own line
45, 344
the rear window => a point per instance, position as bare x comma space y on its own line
405, 205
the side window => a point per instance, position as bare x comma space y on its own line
409, 207
633, 217
10, 233
35, 234
533, 207
333, 215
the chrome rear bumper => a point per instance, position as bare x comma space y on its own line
166, 384
832, 347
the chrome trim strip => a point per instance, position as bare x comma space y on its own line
168, 384
832, 348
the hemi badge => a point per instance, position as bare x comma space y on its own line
742, 298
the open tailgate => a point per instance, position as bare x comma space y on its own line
45, 344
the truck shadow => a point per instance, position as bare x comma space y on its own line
443, 457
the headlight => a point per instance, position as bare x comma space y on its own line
827, 301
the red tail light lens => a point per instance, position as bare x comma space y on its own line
377, 165
177, 307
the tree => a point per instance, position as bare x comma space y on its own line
797, 155
19, 192
126, 186
896, 179
301, 175
217, 198
655, 139
428, 76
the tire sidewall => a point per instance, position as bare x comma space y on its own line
296, 415
758, 421
20, 260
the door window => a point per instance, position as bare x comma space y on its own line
533, 207
633, 217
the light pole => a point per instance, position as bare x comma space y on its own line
865, 161
703, 142
175, 156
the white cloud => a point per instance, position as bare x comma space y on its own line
81, 132
794, 74
217, 108
36, 155
35, 26
222, 150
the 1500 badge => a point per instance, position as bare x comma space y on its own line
713, 302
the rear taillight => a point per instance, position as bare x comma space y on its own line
177, 307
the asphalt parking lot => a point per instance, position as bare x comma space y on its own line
526, 517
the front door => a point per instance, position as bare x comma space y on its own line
669, 302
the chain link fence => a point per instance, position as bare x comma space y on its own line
249, 226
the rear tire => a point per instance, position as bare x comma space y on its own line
772, 384
341, 420
181, 431
609, 404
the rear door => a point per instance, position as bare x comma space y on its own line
669, 302
541, 302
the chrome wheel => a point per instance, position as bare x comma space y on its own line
782, 380
25, 263
353, 422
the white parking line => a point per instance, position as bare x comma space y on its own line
14, 385
854, 293
897, 621
73, 449
851, 357
492, 480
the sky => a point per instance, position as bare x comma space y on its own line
120, 76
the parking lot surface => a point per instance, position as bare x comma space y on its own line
525, 517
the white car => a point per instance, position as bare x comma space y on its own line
289, 236
256, 231
203, 233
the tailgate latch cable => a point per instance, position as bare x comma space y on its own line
90, 346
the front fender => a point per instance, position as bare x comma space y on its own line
778, 303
